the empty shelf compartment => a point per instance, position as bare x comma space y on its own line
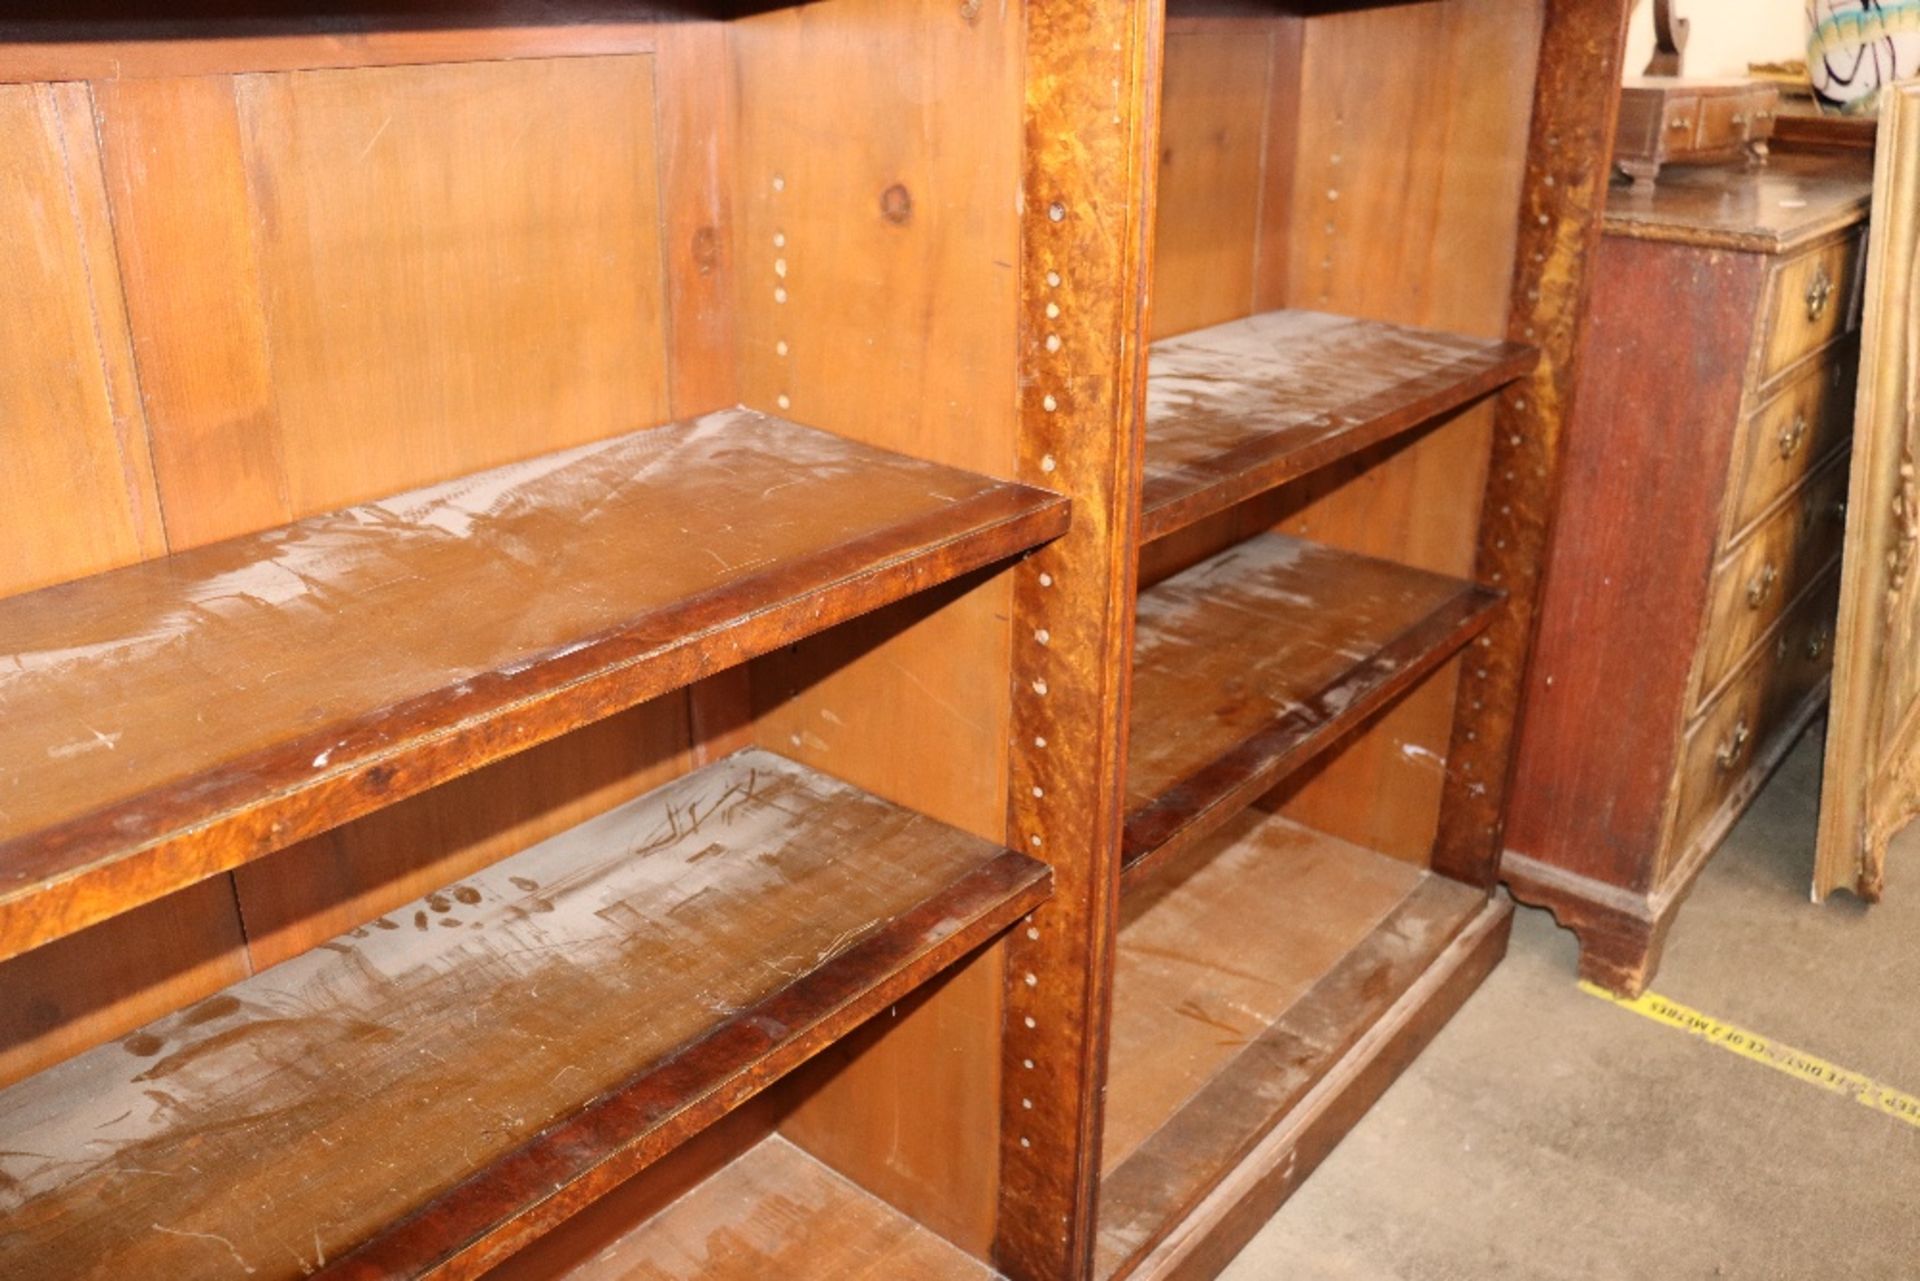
1244, 975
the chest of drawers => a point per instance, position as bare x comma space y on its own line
1687, 627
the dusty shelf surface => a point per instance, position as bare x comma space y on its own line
1243, 407
458, 1074
167, 721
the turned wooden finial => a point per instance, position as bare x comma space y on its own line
1669, 40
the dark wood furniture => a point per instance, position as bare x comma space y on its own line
1688, 624
1667, 120
570, 697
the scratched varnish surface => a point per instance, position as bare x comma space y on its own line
1216, 947
190, 690
774, 1211
270, 1128
1225, 648
1248, 405
1244, 974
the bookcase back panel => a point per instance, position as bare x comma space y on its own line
424, 271
1226, 119
874, 271
76, 487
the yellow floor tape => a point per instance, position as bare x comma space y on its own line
1781, 1058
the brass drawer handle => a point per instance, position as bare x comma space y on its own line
1733, 745
1681, 122
1739, 118
1793, 435
1817, 646
1760, 586
1819, 293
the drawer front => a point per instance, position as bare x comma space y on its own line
1785, 438
1724, 121
1753, 586
1724, 742
1679, 123
1811, 301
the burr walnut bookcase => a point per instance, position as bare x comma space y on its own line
569, 694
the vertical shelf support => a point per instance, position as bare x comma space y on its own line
1086, 245
1569, 163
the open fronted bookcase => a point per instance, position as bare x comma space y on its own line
570, 695
1371, 236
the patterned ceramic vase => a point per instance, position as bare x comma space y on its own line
1855, 46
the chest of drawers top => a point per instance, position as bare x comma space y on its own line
1795, 200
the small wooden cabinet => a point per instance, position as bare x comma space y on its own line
1666, 119
1688, 618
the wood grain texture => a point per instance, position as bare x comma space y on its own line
1410, 154
920, 1082
774, 1211
1205, 962
693, 87
1249, 663
186, 234
621, 985
1225, 1019
1246, 406
1086, 262
1798, 198
1589, 801
1561, 203
1223, 1222
1871, 786
295, 731
1790, 436
76, 484
458, 213
874, 243
1215, 122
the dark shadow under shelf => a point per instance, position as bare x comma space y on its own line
1241, 408
461, 1074
1249, 664
173, 719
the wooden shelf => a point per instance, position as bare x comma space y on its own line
188, 714
460, 1075
772, 1211
1243, 979
1240, 408
1250, 663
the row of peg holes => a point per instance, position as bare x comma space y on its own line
1056, 213
780, 347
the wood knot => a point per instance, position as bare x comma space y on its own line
706, 250
970, 12
896, 204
